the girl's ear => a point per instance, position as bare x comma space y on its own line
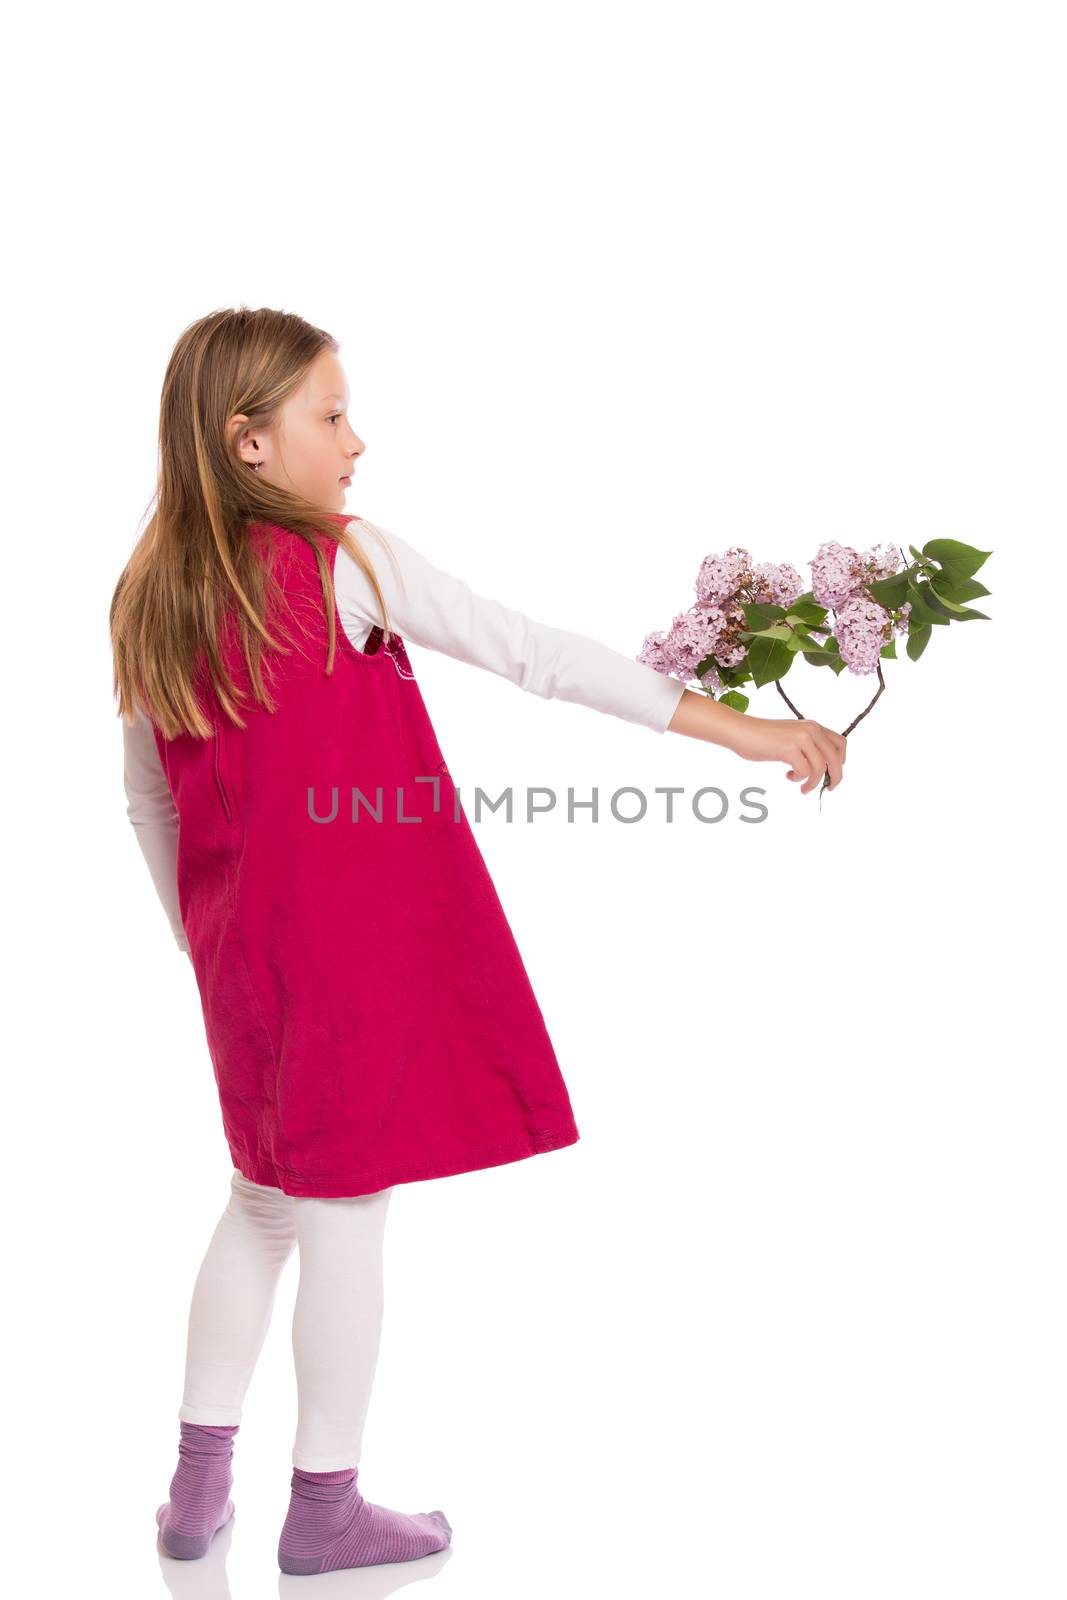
247, 445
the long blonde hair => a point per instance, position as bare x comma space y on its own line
194, 565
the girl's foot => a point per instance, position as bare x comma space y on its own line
199, 1501
330, 1525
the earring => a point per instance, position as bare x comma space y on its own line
256, 465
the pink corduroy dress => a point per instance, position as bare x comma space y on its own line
368, 1014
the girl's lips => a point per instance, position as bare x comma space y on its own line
347, 482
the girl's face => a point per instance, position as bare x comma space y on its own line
311, 450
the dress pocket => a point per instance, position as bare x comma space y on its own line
219, 759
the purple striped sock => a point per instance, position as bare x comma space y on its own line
199, 1501
330, 1525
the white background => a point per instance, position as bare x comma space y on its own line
616, 286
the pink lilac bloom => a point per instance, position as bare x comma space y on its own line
722, 626
693, 635
881, 561
779, 583
730, 648
654, 653
836, 574
839, 572
679, 652
900, 623
713, 626
720, 577
862, 628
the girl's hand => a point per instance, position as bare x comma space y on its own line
810, 750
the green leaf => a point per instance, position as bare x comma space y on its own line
924, 614
933, 602
778, 631
800, 638
732, 676
969, 589
945, 599
828, 655
738, 701
805, 609
814, 647
759, 615
889, 651
956, 560
960, 613
768, 658
890, 592
918, 639
916, 553
955, 613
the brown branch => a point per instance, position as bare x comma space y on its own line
785, 697
856, 720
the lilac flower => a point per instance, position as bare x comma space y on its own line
720, 577
779, 583
881, 561
654, 653
729, 648
862, 628
900, 621
712, 627
693, 635
836, 574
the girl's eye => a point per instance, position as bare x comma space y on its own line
333, 417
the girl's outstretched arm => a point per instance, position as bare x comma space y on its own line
435, 608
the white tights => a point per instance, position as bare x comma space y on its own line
337, 1318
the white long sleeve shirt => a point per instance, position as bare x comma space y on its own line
429, 607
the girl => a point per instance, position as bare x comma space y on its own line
367, 1012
